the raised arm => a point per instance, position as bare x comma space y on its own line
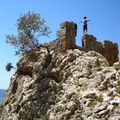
88, 20
81, 22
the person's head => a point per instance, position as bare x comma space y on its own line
85, 17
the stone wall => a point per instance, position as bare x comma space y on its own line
65, 37
106, 48
66, 40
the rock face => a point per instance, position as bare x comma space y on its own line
75, 85
65, 37
67, 82
106, 48
66, 40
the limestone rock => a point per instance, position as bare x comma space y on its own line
63, 86
66, 39
106, 48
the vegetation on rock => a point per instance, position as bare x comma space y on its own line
30, 27
117, 67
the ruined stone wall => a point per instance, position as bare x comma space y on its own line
67, 33
66, 40
65, 37
106, 48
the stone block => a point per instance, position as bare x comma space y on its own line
98, 47
106, 48
89, 37
61, 32
107, 44
67, 24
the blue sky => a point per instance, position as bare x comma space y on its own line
104, 25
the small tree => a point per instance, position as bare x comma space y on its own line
30, 27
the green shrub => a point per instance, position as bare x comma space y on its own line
100, 99
92, 103
45, 117
118, 87
117, 67
75, 97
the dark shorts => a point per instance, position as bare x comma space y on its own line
85, 27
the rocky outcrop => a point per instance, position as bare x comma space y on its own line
66, 82
75, 85
106, 48
66, 40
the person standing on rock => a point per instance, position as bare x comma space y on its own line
84, 21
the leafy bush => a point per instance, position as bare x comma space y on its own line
117, 67
75, 97
100, 99
45, 117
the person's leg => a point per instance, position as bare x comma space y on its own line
84, 29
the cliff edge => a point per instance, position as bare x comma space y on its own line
76, 85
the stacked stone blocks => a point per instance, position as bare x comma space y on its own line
67, 33
66, 40
106, 48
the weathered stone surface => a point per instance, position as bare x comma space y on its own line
66, 40
66, 37
106, 48
77, 84
64, 87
